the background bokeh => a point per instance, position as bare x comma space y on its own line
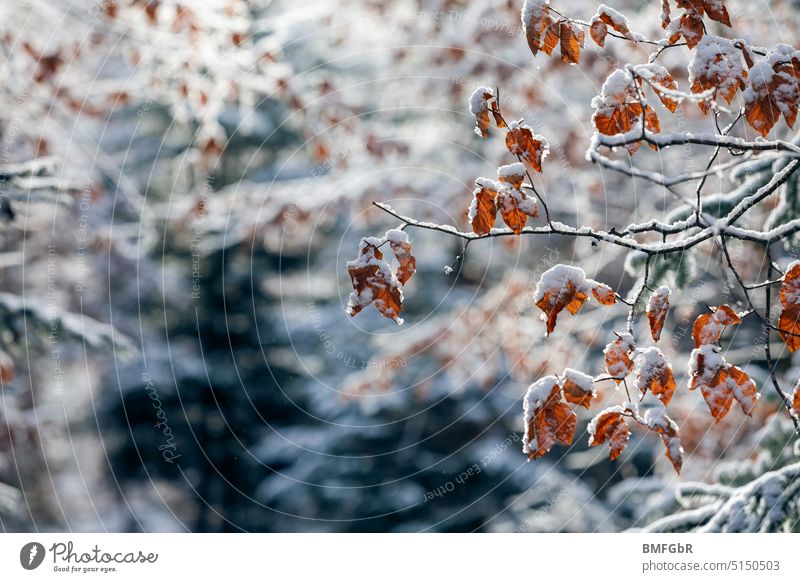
173, 272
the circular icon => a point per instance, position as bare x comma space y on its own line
31, 555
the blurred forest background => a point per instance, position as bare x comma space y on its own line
182, 184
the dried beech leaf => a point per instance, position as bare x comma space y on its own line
536, 20
617, 353
657, 308
604, 294
658, 421
562, 287
708, 327
548, 420
374, 283
578, 388
401, 246
572, 39
610, 426
483, 211
479, 103
531, 148
654, 373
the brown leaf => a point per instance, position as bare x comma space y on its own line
7, 369
617, 109
578, 388
716, 11
610, 426
535, 20
661, 77
655, 374
724, 72
604, 18
720, 383
401, 246
657, 309
604, 294
665, 14
658, 422
483, 211
510, 211
479, 105
553, 303
548, 420
571, 43
789, 321
708, 327
374, 283
617, 353
796, 400
561, 287
531, 148
598, 31
551, 38
789, 327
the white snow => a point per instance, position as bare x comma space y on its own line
583, 381
535, 398
515, 169
556, 278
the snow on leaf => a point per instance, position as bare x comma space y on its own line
561, 287
720, 382
657, 308
536, 20
744, 389
761, 108
654, 373
548, 420
716, 11
531, 148
610, 426
662, 83
690, 26
400, 245
617, 108
479, 107
374, 282
705, 371
513, 174
617, 353
717, 66
578, 388
708, 327
572, 39
658, 421
665, 14
604, 294
605, 17
483, 211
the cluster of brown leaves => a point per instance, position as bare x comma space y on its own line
720, 382
543, 32
550, 422
690, 26
619, 108
563, 287
773, 90
373, 280
508, 193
